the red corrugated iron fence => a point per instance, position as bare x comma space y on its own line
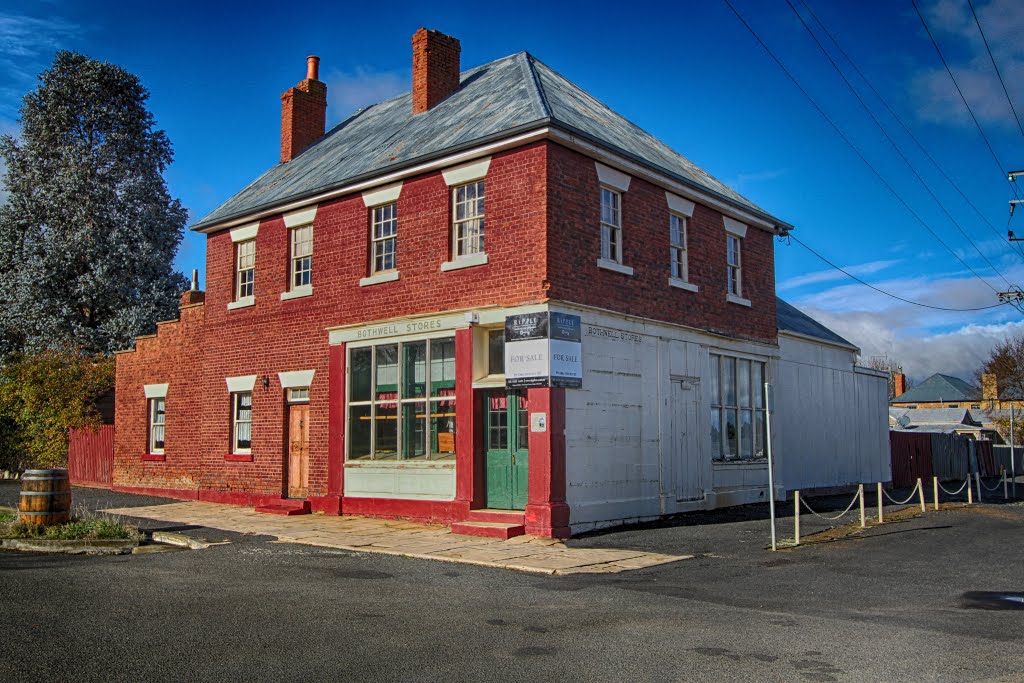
91, 456
911, 458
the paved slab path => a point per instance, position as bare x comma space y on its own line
409, 539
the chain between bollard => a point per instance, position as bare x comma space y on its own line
849, 507
958, 491
903, 502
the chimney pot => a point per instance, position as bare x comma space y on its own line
303, 112
313, 68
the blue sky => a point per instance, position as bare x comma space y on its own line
692, 75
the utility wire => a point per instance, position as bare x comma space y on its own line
989, 50
890, 294
854, 147
1016, 247
892, 142
1002, 169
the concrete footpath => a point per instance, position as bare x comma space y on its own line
409, 539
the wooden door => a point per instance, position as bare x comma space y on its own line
685, 423
507, 431
298, 450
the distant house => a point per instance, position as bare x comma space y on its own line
943, 421
938, 391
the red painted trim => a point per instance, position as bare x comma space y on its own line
154, 457
336, 422
243, 498
181, 494
547, 513
465, 427
237, 457
442, 512
329, 505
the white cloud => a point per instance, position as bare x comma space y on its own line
831, 274
361, 87
26, 43
961, 43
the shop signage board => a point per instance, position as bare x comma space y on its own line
543, 349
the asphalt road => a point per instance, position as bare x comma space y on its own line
886, 607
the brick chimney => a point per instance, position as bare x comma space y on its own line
303, 112
193, 295
899, 381
989, 387
435, 68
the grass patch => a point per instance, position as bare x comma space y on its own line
84, 527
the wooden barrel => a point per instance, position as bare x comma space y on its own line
45, 497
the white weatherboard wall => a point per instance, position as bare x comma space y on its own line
637, 434
831, 417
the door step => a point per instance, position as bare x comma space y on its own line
285, 507
493, 515
489, 529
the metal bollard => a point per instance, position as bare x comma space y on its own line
977, 481
880, 517
970, 493
1006, 486
935, 491
796, 518
920, 494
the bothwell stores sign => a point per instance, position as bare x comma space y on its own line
543, 349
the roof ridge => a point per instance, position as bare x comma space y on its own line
534, 78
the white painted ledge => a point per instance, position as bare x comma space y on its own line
614, 266
242, 303
297, 293
377, 278
733, 299
464, 262
682, 284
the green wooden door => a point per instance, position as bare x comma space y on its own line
507, 449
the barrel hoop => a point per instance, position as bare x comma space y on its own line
44, 478
46, 493
48, 513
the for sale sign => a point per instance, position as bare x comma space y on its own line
543, 349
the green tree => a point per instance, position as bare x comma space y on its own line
43, 396
89, 231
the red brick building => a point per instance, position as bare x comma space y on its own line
348, 354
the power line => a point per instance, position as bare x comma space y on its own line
890, 294
906, 129
1002, 169
892, 142
989, 50
854, 147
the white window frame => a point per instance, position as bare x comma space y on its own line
156, 425
611, 225
379, 241
236, 397
679, 268
477, 238
250, 285
300, 263
734, 266
754, 405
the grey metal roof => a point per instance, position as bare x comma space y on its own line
791, 319
505, 97
939, 388
934, 416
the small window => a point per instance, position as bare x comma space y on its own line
677, 246
468, 219
245, 269
611, 225
496, 352
302, 256
953, 405
975, 406
156, 425
384, 220
735, 273
241, 427
298, 395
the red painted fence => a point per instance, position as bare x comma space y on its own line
911, 458
91, 456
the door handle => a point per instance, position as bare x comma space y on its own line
513, 458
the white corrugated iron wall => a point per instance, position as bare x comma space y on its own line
831, 418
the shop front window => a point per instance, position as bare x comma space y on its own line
737, 408
401, 402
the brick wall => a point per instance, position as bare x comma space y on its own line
575, 245
272, 336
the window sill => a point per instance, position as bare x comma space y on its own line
752, 463
378, 278
733, 299
238, 457
682, 284
464, 262
297, 293
242, 303
418, 464
154, 457
614, 266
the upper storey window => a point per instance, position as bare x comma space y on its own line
245, 270
302, 257
468, 219
734, 266
736, 287
677, 247
611, 225
384, 220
